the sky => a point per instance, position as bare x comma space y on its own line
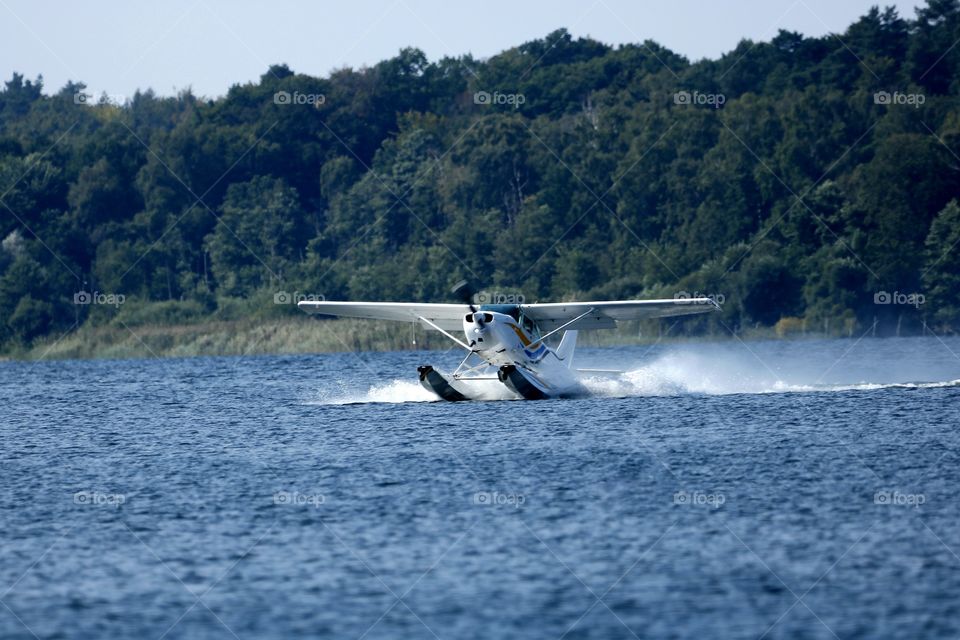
119, 46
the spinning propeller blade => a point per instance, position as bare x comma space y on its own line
464, 291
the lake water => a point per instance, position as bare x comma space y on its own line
736, 490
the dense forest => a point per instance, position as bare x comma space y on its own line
804, 181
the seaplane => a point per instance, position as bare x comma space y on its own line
508, 356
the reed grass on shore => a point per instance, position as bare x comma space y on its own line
284, 336
233, 337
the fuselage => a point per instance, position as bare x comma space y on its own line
501, 339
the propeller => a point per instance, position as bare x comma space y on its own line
465, 292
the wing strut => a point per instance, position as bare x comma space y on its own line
459, 342
567, 324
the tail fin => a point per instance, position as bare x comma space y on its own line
567, 344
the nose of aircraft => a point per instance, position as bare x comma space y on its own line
477, 328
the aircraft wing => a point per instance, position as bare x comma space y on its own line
446, 316
604, 315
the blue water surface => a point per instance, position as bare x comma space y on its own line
739, 490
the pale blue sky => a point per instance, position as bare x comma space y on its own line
118, 46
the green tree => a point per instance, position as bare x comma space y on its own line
941, 273
259, 235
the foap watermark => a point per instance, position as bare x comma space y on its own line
912, 299
498, 499
82, 97
97, 297
297, 499
498, 297
284, 297
899, 98
699, 498
313, 99
99, 499
514, 100
699, 99
899, 499
700, 298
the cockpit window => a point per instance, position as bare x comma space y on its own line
529, 326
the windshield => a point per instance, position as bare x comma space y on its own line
511, 310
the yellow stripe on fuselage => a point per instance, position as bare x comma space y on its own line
520, 334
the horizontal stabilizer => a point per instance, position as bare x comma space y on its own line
613, 372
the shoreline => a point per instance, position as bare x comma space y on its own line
308, 335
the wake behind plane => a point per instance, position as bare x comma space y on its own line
506, 344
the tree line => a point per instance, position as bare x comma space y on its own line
804, 182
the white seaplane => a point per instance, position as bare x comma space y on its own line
508, 341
